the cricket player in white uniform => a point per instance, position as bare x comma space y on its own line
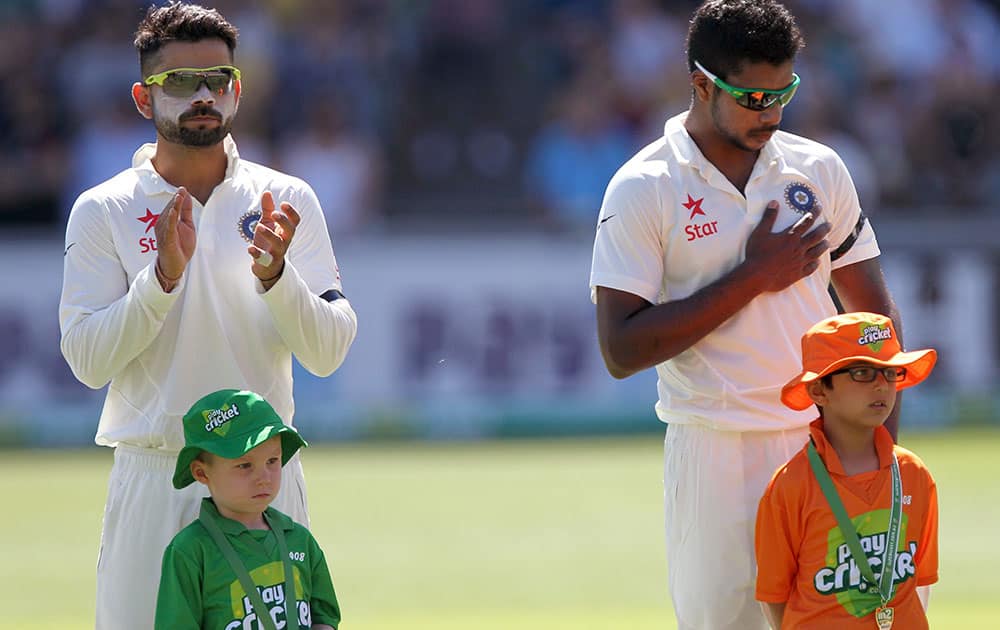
715, 249
190, 272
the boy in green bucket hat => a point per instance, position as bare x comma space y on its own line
241, 556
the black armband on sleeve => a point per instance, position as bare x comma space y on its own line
849, 241
331, 295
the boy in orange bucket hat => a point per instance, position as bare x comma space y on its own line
851, 501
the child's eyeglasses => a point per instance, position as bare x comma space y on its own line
184, 82
867, 373
757, 99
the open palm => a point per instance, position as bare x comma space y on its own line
175, 234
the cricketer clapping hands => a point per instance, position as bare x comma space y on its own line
271, 238
176, 239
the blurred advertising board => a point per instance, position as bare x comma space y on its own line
480, 336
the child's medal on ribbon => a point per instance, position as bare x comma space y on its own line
883, 617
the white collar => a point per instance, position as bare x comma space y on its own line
153, 183
686, 152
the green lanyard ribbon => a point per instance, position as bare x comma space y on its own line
885, 584
261, 609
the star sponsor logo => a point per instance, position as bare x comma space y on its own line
694, 205
149, 219
702, 229
148, 243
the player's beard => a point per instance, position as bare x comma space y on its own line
171, 127
738, 141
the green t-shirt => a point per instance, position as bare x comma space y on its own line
200, 591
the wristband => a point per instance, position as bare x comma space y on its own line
275, 276
164, 278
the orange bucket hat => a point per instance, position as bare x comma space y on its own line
844, 339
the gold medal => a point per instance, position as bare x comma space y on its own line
883, 617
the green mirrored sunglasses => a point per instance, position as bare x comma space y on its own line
184, 82
757, 99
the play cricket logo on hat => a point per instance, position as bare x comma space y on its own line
230, 423
874, 336
850, 338
217, 420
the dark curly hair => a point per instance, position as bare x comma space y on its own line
179, 21
726, 33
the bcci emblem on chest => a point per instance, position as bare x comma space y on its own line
247, 224
801, 198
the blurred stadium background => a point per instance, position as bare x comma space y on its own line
460, 149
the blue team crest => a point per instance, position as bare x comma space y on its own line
801, 197
247, 224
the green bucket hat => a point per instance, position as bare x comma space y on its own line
230, 423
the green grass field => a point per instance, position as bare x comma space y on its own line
519, 534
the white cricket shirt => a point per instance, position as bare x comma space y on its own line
671, 223
217, 329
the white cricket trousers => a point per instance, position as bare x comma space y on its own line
142, 514
712, 482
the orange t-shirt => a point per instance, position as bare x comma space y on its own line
802, 558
